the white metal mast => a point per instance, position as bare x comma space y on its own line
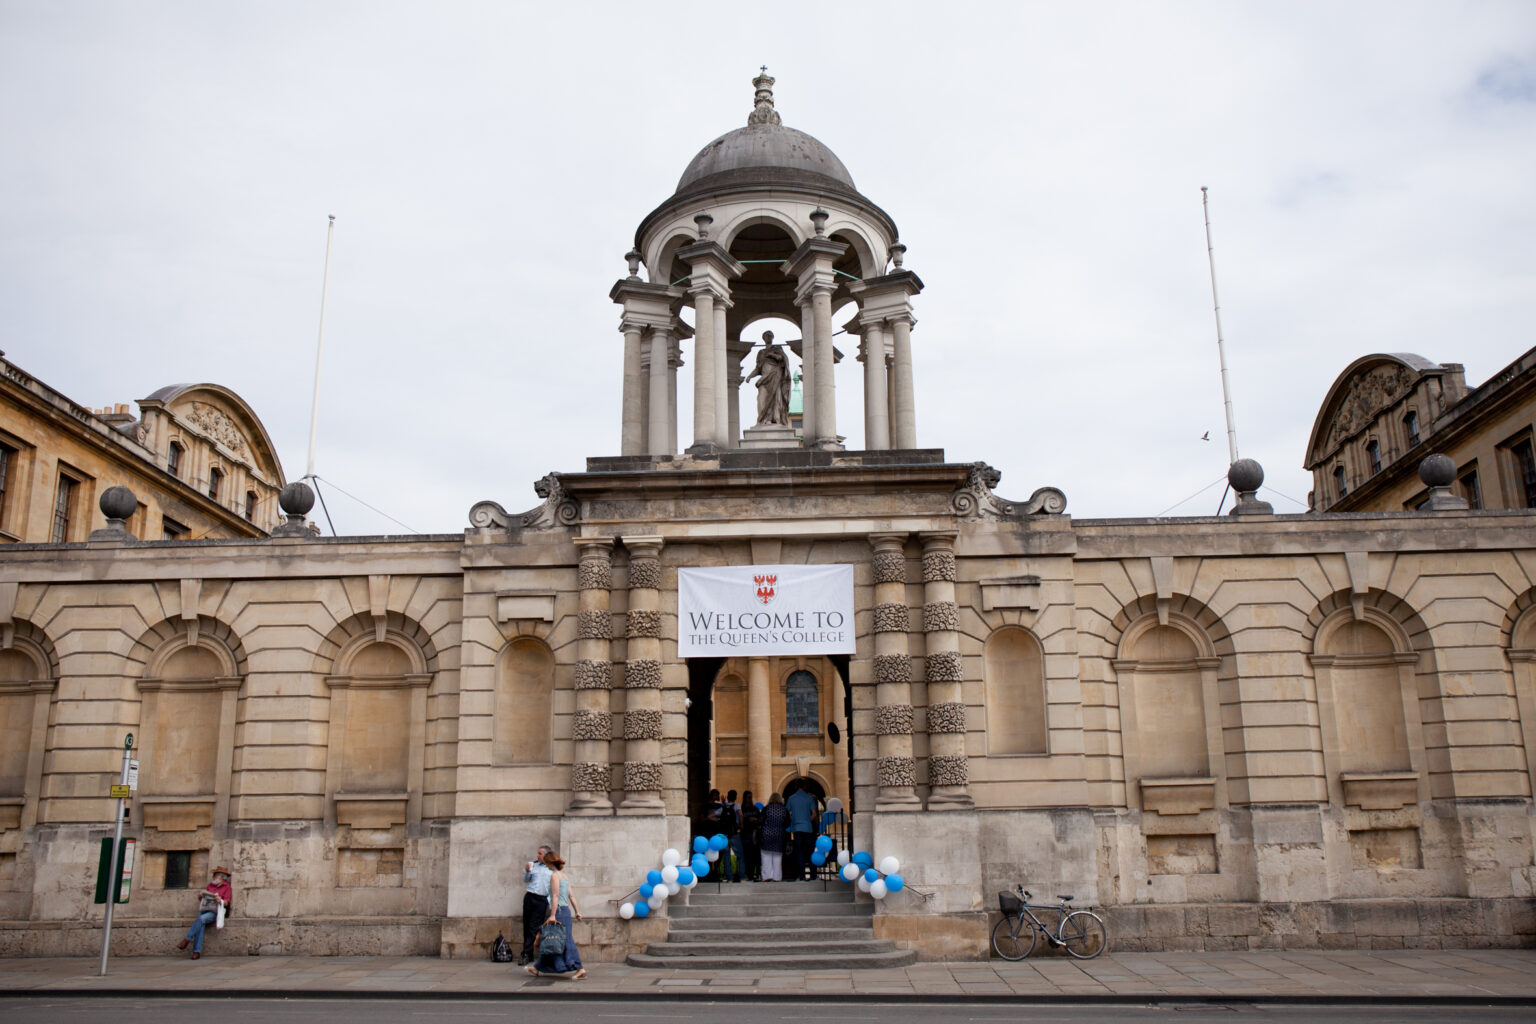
314, 408
1221, 348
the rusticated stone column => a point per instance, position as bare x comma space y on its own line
642, 680
592, 727
948, 768
896, 769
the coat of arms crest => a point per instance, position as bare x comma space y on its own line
765, 587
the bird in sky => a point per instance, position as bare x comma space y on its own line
1205, 436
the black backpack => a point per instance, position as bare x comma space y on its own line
501, 952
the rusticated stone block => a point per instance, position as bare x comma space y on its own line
642, 724
642, 674
893, 719
941, 616
946, 717
893, 668
890, 567
643, 623
891, 618
594, 573
592, 674
897, 771
594, 625
642, 776
590, 777
593, 725
946, 770
944, 667
939, 567
645, 574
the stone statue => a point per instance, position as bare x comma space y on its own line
773, 384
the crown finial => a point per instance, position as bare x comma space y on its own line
762, 100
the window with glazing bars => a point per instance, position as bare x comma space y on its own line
802, 715
63, 506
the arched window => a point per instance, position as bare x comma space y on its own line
1373, 454
525, 687
173, 459
802, 711
1015, 679
215, 478
1339, 485
250, 506
1411, 427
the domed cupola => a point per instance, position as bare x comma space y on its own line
765, 223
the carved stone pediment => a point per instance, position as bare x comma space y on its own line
1365, 397
213, 423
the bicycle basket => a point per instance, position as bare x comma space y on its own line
1009, 903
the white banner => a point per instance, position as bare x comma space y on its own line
757, 610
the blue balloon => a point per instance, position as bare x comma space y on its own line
700, 865
818, 858
863, 860
642, 910
646, 890
718, 842
759, 804
871, 875
685, 876
653, 876
700, 844
823, 843
893, 883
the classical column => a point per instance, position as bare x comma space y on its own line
807, 374
642, 680
733, 381
896, 769
674, 363
904, 416
705, 432
877, 424
632, 436
826, 394
660, 405
759, 728
948, 768
722, 377
592, 727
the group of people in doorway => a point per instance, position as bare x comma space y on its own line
766, 842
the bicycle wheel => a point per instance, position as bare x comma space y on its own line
1011, 945
1084, 935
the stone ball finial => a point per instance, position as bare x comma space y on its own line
296, 499
118, 503
819, 218
1437, 470
703, 220
1245, 476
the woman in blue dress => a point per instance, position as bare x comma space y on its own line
561, 907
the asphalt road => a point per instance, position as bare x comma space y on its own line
70, 1009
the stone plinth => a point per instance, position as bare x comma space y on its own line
769, 436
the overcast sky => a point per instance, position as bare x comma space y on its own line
166, 170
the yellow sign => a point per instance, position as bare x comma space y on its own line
121, 792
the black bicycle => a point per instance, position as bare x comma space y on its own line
1080, 932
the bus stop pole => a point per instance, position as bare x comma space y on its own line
117, 843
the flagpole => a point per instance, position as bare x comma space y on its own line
1221, 348
314, 408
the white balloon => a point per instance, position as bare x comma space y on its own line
669, 890
863, 884
693, 881
889, 866
656, 901
671, 858
843, 857
877, 888
627, 911
712, 856
835, 804
669, 873
851, 871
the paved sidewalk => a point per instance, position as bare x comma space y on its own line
1495, 975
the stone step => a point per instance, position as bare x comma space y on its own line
771, 893
764, 935
802, 945
728, 911
758, 960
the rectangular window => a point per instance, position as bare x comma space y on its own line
1469, 487
178, 869
215, 477
173, 460
1525, 471
173, 530
250, 506
7, 465
1373, 451
63, 509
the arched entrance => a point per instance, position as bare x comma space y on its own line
752, 726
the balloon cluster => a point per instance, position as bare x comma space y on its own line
674, 876
860, 868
